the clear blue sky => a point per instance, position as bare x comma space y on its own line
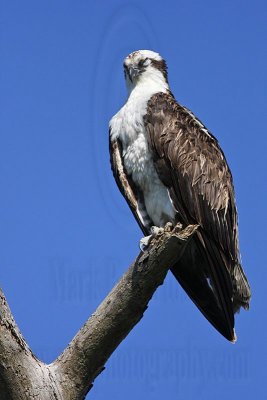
66, 234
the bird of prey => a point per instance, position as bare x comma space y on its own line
170, 168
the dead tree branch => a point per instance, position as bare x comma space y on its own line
71, 375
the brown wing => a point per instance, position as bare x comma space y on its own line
127, 187
193, 167
191, 164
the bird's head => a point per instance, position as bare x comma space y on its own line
144, 66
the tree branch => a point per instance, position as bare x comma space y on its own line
71, 375
21, 373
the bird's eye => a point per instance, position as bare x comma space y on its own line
143, 63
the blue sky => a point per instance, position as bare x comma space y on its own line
66, 233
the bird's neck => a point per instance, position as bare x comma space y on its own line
147, 86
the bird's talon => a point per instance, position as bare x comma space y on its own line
168, 227
178, 227
155, 231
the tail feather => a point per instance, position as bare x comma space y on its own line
202, 273
241, 289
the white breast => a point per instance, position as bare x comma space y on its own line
128, 126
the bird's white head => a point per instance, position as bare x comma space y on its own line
145, 67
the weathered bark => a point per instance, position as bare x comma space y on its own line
70, 376
22, 375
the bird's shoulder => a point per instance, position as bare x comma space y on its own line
192, 165
176, 134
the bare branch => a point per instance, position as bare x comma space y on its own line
22, 375
86, 355
70, 376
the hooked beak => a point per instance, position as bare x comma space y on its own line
132, 72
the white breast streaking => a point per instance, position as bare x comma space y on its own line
128, 126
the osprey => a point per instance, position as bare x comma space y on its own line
170, 168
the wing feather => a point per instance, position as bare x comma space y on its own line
127, 187
198, 174
191, 164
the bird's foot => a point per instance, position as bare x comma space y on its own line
178, 227
168, 227
145, 241
156, 231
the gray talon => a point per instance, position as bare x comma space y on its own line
168, 227
178, 227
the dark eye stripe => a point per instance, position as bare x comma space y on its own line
141, 62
